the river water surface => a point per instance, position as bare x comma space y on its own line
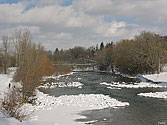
141, 111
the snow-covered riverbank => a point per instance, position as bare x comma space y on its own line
162, 77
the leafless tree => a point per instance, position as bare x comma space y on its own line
6, 43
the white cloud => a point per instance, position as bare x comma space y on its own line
63, 35
144, 11
111, 29
82, 23
10, 13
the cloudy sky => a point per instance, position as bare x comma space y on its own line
68, 23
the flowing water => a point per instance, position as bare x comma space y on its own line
142, 110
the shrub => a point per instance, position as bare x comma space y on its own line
12, 103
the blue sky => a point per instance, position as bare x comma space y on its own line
66, 3
68, 23
10, 1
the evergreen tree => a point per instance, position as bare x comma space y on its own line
97, 47
101, 45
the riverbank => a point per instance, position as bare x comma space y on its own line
159, 79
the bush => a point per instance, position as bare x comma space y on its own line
12, 103
46, 67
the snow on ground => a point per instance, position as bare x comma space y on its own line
135, 85
57, 77
62, 110
83, 69
161, 95
162, 77
61, 85
113, 88
65, 109
91, 122
88, 101
5, 79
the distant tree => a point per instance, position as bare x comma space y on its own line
109, 45
91, 51
78, 52
97, 47
143, 54
50, 55
101, 45
56, 50
104, 58
5, 40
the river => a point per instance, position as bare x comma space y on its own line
142, 110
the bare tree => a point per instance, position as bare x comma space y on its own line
31, 62
6, 43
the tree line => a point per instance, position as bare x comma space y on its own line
145, 53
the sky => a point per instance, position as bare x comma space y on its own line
64, 24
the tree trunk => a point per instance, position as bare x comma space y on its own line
159, 65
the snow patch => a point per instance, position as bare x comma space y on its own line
91, 122
89, 101
66, 109
5, 79
162, 77
113, 88
83, 69
57, 77
134, 85
161, 95
62, 84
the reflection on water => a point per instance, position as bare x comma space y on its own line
142, 110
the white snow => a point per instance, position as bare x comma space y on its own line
61, 85
162, 77
5, 79
64, 109
88, 101
91, 122
83, 69
135, 85
124, 75
113, 88
161, 95
57, 77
